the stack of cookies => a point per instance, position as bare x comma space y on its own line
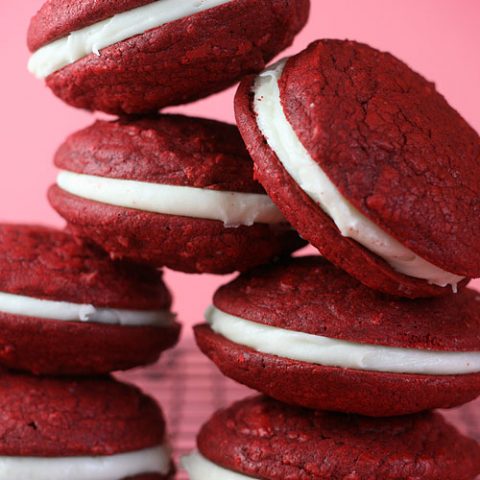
352, 149
373, 167
139, 193
69, 316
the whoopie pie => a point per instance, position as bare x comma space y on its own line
170, 191
306, 333
137, 56
370, 164
66, 308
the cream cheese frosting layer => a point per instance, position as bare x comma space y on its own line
152, 460
332, 352
77, 45
232, 208
76, 312
296, 160
199, 468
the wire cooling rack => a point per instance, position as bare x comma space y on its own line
189, 388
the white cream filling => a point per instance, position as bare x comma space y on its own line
331, 352
199, 468
232, 208
76, 312
296, 160
113, 467
67, 50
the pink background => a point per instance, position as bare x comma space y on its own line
439, 38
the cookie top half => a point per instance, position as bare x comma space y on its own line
80, 428
167, 149
49, 264
91, 417
310, 295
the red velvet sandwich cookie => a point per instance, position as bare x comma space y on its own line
169, 190
90, 429
370, 164
137, 56
259, 438
66, 308
304, 332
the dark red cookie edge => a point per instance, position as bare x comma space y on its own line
53, 347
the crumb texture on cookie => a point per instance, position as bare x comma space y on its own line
101, 416
331, 446
50, 264
392, 145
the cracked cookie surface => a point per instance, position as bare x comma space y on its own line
392, 145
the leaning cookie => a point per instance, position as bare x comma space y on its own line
170, 191
80, 429
370, 164
304, 332
259, 438
66, 308
137, 56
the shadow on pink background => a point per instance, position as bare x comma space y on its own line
439, 38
